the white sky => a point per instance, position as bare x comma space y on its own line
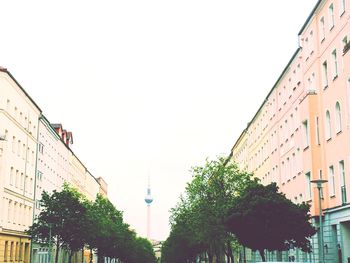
149, 87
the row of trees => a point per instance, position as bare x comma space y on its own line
224, 208
68, 221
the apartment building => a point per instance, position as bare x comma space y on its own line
18, 131
301, 132
57, 164
35, 156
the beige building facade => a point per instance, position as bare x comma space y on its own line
35, 156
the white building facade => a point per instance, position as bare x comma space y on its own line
18, 131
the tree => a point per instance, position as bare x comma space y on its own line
142, 251
262, 218
71, 222
106, 226
203, 209
59, 221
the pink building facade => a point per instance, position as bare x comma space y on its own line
301, 132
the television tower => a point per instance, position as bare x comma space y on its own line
148, 200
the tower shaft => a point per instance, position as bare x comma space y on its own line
148, 221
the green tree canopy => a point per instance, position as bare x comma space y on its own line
262, 218
71, 222
59, 221
203, 209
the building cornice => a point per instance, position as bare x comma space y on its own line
19, 85
308, 20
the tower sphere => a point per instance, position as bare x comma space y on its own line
148, 199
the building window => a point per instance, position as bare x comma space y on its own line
311, 87
338, 124
17, 251
311, 43
341, 7
17, 179
331, 16
345, 41
11, 251
32, 157
6, 250
39, 175
41, 148
335, 64
9, 211
306, 133
328, 125
342, 182
11, 176
346, 45
331, 181
322, 29
308, 185
299, 164
31, 186
342, 173
306, 47
325, 74
26, 184
14, 219
19, 148
13, 144
24, 152
22, 181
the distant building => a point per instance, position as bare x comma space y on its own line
157, 248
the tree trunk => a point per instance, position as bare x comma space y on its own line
220, 254
57, 250
91, 255
210, 257
230, 252
262, 254
99, 257
70, 256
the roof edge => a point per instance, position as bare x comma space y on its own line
273, 87
309, 17
2, 69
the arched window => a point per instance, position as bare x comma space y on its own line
337, 117
328, 125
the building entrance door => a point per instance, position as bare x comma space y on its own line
345, 249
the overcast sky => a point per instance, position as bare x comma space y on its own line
149, 87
